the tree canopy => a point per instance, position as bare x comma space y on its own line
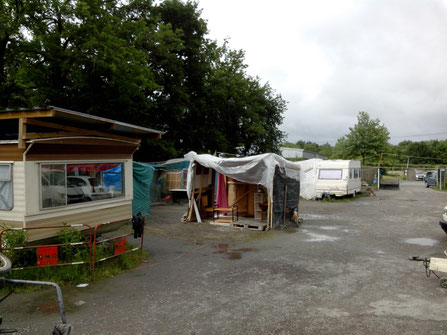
367, 138
137, 61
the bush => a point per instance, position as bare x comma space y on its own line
13, 239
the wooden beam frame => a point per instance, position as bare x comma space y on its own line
27, 114
71, 131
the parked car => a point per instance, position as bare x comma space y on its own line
443, 221
91, 187
54, 193
420, 175
431, 178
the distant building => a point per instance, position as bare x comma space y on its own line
291, 153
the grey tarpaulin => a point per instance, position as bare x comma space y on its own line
288, 189
259, 169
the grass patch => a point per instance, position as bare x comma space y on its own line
70, 274
390, 177
437, 188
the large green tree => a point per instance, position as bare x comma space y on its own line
139, 61
367, 138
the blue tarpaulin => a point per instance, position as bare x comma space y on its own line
112, 178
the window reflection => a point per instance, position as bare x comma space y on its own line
65, 184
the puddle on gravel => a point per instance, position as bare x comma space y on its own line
428, 242
290, 230
329, 228
232, 254
321, 238
51, 307
330, 217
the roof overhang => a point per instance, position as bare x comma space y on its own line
66, 116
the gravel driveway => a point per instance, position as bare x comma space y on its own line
344, 271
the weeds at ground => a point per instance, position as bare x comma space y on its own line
66, 274
348, 198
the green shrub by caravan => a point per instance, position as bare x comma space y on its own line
321, 178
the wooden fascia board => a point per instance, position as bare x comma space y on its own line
35, 136
27, 114
73, 131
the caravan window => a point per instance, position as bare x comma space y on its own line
6, 198
356, 173
330, 174
66, 184
350, 173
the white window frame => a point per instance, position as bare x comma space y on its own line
8, 179
65, 164
328, 176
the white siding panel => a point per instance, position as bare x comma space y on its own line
18, 179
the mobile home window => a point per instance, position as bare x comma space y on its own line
330, 174
66, 184
6, 197
356, 173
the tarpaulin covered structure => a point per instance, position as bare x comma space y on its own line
279, 177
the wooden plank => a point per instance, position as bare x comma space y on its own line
51, 125
251, 202
196, 211
11, 152
251, 225
22, 133
239, 198
35, 136
27, 114
44, 151
190, 207
224, 220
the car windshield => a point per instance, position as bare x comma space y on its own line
94, 182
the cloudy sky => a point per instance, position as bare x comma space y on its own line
331, 59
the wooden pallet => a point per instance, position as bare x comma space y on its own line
252, 225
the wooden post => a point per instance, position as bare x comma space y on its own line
22, 133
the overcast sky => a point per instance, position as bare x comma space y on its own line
331, 59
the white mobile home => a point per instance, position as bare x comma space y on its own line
56, 166
329, 177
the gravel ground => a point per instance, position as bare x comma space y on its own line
345, 270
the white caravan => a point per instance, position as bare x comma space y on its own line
337, 177
333, 177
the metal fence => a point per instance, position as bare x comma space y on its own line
48, 255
